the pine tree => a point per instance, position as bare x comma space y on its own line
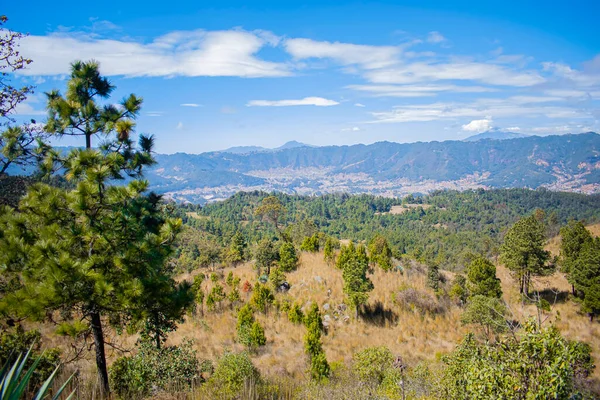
266, 255
329, 252
271, 209
288, 258
433, 277
523, 251
573, 238
481, 279
96, 250
380, 252
236, 253
354, 264
586, 277
319, 367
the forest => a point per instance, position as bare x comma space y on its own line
108, 290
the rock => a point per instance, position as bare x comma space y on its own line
284, 287
342, 307
318, 279
326, 317
326, 307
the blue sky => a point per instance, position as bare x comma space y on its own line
221, 74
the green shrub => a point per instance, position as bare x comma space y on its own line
295, 314
310, 243
232, 372
319, 367
134, 376
261, 298
257, 335
288, 258
372, 363
20, 341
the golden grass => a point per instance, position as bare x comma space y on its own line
414, 336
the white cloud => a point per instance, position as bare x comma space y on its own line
478, 125
154, 113
180, 125
307, 101
191, 105
435, 37
179, 53
359, 105
344, 53
353, 129
417, 90
513, 129
458, 70
481, 109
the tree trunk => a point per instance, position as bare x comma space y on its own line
573, 290
591, 317
100, 353
88, 141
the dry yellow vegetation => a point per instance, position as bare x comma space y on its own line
414, 336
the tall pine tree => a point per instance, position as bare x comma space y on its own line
523, 251
95, 252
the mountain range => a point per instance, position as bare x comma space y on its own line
495, 134
258, 149
565, 162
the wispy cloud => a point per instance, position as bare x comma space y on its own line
417, 90
482, 108
307, 101
344, 53
155, 113
435, 37
179, 53
359, 105
191, 105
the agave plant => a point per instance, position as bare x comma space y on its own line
14, 380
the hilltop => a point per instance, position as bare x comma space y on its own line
495, 135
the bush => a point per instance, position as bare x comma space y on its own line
372, 363
295, 314
250, 332
261, 298
134, 376
288, 258
232, 372
310, 244
257, 335
19, 342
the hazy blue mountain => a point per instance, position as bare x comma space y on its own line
256, 149
495, 135
567, 162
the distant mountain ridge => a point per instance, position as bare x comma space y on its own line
257, 149
566, 162
495, 135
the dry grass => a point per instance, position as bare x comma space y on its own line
414, 336
406, 207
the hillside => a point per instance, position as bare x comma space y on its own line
568, 162
495, 135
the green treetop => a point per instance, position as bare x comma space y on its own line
523, 251
573, 238
481, 279
380, 252
586, 277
